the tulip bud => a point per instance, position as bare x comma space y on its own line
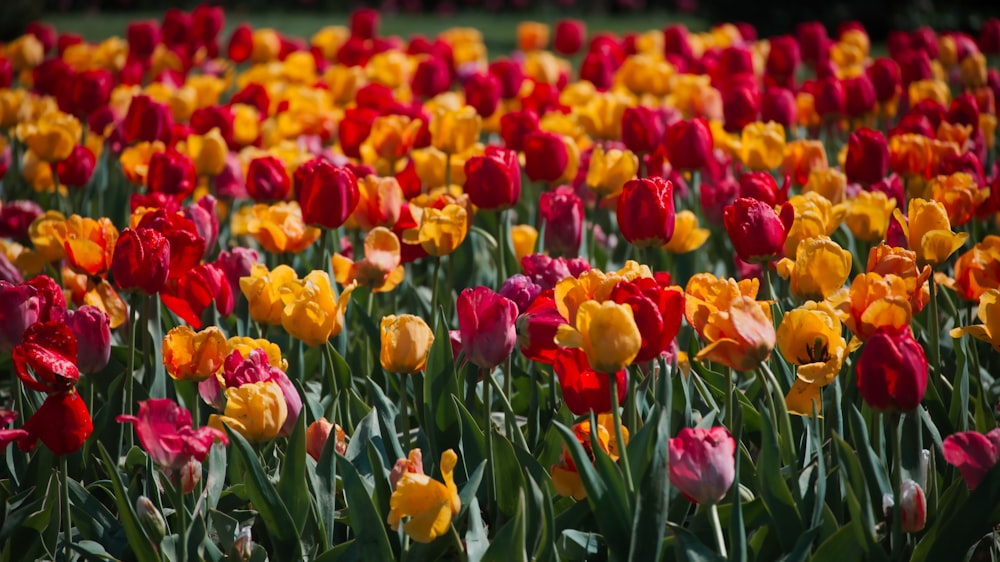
493, 181
76, 170
867, 157
914, 506
703, 463
141, 260
689, 144
316, 436
91, 326
646, 211
486, 324
562, 211
327, 194
406, 343
242, 548
545, 156
190, 475
151, 519
757, 232
892, 370
570, 34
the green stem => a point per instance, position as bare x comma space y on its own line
404, 412
447, 170
730, 391
331, 375
502, 234
434, 286
488, 428
506, 393
182, 525
67, 517
620, 437
456, 541
935, 331
631, 399
897, 487
133, 321
720, 541
514, 434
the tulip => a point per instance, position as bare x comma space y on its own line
565, 477
438, 232
569, 36
312, 313
688, 236
493, 181
482, 91
147, 120
16, 217
52, 137
583, 389
989, 315
892, 371
429, 504
657, 310
364, 23
688, 144
281, 228
45, 360
756, 231
20, 307
141, 260
562, 211
76, 170
960, 194
165, 431
546, 156
973, 453
327, 194
430, 78
193, 356
645, 211
978, 270
406, 343
606, 332
240, 370
172, 173
318, 433
867, 157
267, 179
703, 463
92, 329
537, 327
778, 105
885, 77
820, 268
62, 423
262, 289
453, 132
642, 129
610, 170
762, 146
515, 127
830, 183
762, 187
380, 270
927, 230
740, 106
486, 324
257, 411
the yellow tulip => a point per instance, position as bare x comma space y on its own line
25, 52
453, 132
257, 411
960, 196
406, 343
135, 160
208, 152
430, 505
606, 332
810, 337
815, 216
524, 237
52, 137
593, 284
802, 157
312, 313
935, 90
601, 117
441, 231
762, 145
280, 228
989, 315
877, 301
609, 171
329, 40
868, 215
820, 268
646, 74
380, 270
928, 231
262, 291
740, 336
246, 124
688, 236
194, 356
830, 183
390, 140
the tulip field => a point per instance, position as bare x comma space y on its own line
358, 296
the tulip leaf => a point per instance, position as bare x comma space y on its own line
508, 544
860, 508
467, 494
90, 517
265, 499
386, 415
842, 545
540, 521
689, 547
139, 543
368, 431
964, 522
507, 475
292, 483
874, 471
370, 529
579, 545
473, 442
381, 492
775, 492
476, 542
653, 492
326, 488
440, 382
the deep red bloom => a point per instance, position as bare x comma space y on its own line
267, 179
482, 91
493, 180
675, 41
45, 360
172, 172
254, 95
187, 247
598, 68
537, 327
16, 217
76, 170
885, 77
327, 194
688, 144
147, 120
44, 32
204, 119
867, 157
739, 107
783, 59
562, 211
914, 66
176, 27
143, 37
830, 98
354, 129
511, 77
584, 389
430, 78
989, 37
486, 324
645, 211
92, 329
52, 301
973, 454
6, 72
141, 260
189, 295
642, 128
62, 423
763, 187
50, 77
364, 23
657, 309
206, 23
892, 371
778, 105
757, 232
813, 40
964, 110
240, 43
859, 96
91, 90
515, 127
545, 156
570, 34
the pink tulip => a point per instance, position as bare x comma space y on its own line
8, 436
973, 454
486, 323
165, 432
19, 308
92, 329
703, 463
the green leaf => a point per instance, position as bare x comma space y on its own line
274, 513
690, 549
650, 517
576, 545
874, 471
540, 518
440, 381
368, 526
326, 487
90, 517
476, 542
776, 494
142, 548
386, 416
507, 475
467, 494
841, 546
292, 482
508, 545
472, 441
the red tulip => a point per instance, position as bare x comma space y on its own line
52, 301
763, 187
973, 454
176, 27
141, 260
430, 78
757, 232
989, 37
206, 23
62, 423
240, 43
142, 37
562, 211
76, 170
583, 389
44, 32
703, 463
172, 173
646, 211
45, 360
16, 217
189, 295
493, 181
90, 90
964, 110
830, 98
354, 129
20, 307
50, 77
778, 105
570, 34
859, 96
537, 327
165, 431
884, 74
598, 68
515, 127
545, 156
267, 179
511, 77
867, 157
657, 309
914, 66
364, 23
892, 371
813, 40
221, 117
482, 91
676, 42
92, 329
327, 194
147, 120
253, 94
642, 128
783, 59
689, 144
486, 324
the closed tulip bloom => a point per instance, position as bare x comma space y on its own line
194, 356
486, 324
820, 268
974, 454
610, 170
757, 232
703, 463
859, 96
141, 260
762, 145
607, 334
645, 212
76, 170
262, 291
562, 211
172, 173
453, 132
147, 121
569, 36
406, 343
762, 187
92, 329
928, 232
52, 137
312, 313
778, 105
267, 179
868, 215
546, 156
493, 181
885, 76
830, 98
688, 144
642, 129
62, 423
537, 327
327, 194
867, 157
892, 371
318, 433
430, 505
165, 432
583, 389
20, 307
989, 314
482, 91
430, 77
439, 231
257, 411
740, 106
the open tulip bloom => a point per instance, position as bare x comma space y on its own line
373, 294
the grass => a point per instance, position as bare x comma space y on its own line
499, 30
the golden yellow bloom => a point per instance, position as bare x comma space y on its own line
455, 131
257, 411
429, 504
802, 157
960, 196
988, 125
705, 294
646, 74
246, 124
245, 345
135, 160
601, 117
344, 82
815, 216
693, 95
532, 36
928, 231
688, 236
12, 107
762, 145
262, 291
989, 315
972, 71
820, 268
329, 40
523, 237
39, 174
593, 284
380, 270
810, 337
391, 68
266, 45
740, 336
936, 90
609, 171
208, 152
280, 228
312, 313
543, 67
441, 231
406, 343
390, 140
830, 183
884, 260
606, 332
868, 215
194, 356
25, 52
805, 110
52, 137
877, 301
